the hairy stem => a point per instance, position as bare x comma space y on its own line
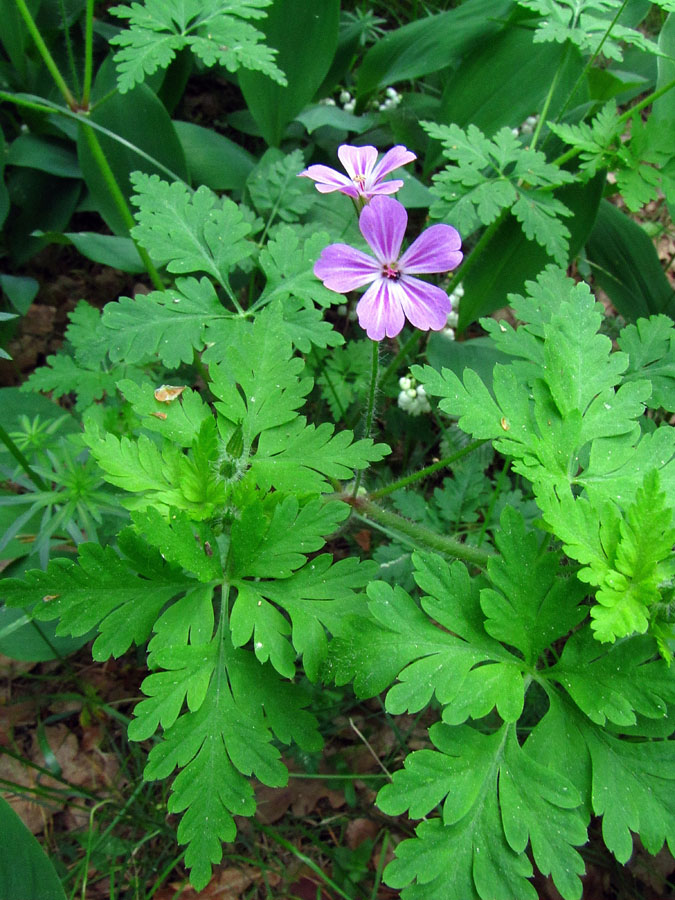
22, 461
413, 533
428, 470
371, 405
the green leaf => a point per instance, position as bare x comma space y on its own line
182, 542
179, 420
141, 136
228, 735
467, 671
189, 232
488, 178
530, 604
496, 798
429, 44
305, 44
626, 266
62, 375
288, 266
99, 590
614, 683
275, 188
258, 387
650, 345
272, 536
27, 871
637, 566
212, 159
300, 457
158, 30
586, 25
171, 324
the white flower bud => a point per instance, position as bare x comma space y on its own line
392, 93
404, 383
453, 319
349, 106
345, 97
412, 393
421, 393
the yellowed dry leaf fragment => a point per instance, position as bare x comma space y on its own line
166, 393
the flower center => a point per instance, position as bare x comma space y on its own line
359, 180
390, 270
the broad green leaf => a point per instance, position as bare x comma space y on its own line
429, 44
179, 420
626, 266
212, 159
143, 124
27, 871
305, 42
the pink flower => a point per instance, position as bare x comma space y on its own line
365, 173
394, 295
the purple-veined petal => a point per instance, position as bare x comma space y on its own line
384, 187
383, 223
435, 250
343, 268
326, 175
393, 159
379, 311
425, 305
358, 161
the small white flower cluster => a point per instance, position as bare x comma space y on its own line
348, 103
413, 398
392, 100
453, 316
527, 127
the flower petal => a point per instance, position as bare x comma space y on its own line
383, 223
326, 176
425, 305
358, 161
393, 159
343, 268
379, 311
435, 250
384, 187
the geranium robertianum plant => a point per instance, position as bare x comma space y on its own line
520, 591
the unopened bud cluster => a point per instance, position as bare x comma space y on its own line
527, 127
348, 103
413, 397
453, 316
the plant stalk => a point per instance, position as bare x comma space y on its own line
47, 58
371, 406
118, 199
428, 470
418, 535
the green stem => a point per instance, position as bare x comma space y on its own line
428, 470
549, 98
22, 461
371, 405
589, 63
575, 151
46, 106
47, 58
418, 535
69, 46
418, 336
118, 198
88, 53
